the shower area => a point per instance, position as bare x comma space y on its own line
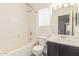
17, 21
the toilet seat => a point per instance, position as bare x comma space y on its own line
38, 48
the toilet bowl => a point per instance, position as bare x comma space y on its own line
38, 49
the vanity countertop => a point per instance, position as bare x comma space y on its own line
67, 41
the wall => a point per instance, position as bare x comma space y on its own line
76, 27
44, 28
32, 24
44, 31
14, 29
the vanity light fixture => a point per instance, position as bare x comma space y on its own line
55, 8
72, 4
61, 5
65, 5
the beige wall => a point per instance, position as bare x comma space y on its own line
32, 24
14, 25
76, 28
44, 30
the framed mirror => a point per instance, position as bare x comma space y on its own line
63, 25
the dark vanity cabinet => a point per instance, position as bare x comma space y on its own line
52, 49
62, 50
56, 49
72, 51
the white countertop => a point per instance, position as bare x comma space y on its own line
67, 41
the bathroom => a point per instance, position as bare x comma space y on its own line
39, 29
57, 30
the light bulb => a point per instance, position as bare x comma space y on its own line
65, 5
60, 6
55, 8
71, 3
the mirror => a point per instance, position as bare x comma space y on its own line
63, 25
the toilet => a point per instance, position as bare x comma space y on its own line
39, 49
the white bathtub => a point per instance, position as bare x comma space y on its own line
26, 50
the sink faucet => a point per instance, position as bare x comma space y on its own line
63, 36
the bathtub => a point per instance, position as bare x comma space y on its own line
25, 50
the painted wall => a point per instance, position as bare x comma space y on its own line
76, 27
44, 31
32, 24
44, 27
14, 29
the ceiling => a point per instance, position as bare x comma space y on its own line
38, 6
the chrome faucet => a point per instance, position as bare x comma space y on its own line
63, 36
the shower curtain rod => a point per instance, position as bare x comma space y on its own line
31, 7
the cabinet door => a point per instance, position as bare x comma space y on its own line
63, 50
73, 51
52, 49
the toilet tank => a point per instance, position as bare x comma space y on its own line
42, 40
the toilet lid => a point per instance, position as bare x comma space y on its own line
38, 48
